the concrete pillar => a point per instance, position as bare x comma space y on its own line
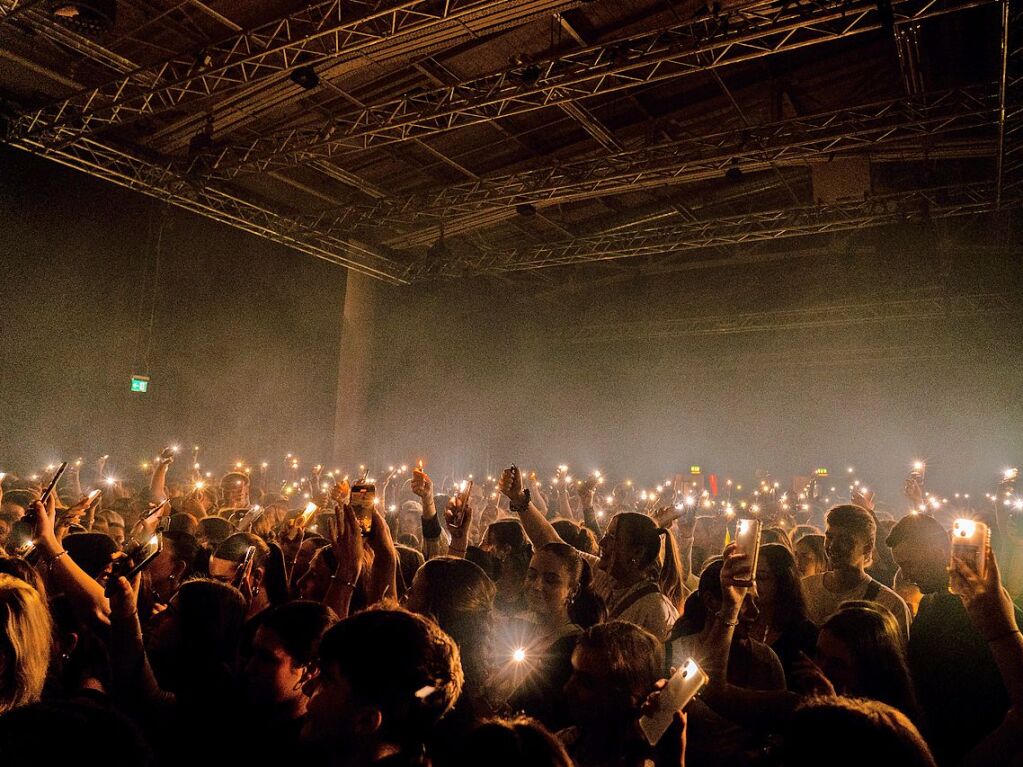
352, 435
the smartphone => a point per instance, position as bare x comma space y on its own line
463, 497
244, 567
132, 564
747, 540
53, 482
970, 542
363, 500
93, 496
681, 688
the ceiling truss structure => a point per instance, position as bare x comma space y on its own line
877, 210
132, 130
737, 35
814, 137
323, 32
838, 315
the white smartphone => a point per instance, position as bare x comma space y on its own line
681, 688
747, 541
970, 542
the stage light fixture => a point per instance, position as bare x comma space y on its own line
734, 172
305, 77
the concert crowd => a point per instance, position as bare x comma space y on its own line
392, 616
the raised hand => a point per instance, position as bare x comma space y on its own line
511, 485
348, 549
166, 456
863, 498
422, 485
913, 489
985, 599
458, 520
736, 577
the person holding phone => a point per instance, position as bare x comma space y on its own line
636, 583
948, 657
849, 540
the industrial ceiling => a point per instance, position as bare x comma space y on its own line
439, 138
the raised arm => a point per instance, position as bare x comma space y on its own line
349, 555
158, 484
539, 531
422, 486
61, 572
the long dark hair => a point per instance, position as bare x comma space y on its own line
789, 602
640, 530
460, 597
585, 608
872, 637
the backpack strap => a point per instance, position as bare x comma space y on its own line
645, 590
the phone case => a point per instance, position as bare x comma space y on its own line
747, 538
681, 688
970, 541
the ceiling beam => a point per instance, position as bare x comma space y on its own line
741, 34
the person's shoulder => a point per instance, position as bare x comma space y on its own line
813, 582
886, 594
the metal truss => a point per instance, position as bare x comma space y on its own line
814, 137
915, 205
837, 315
737, 35
327, 31
128, 170
1009, 168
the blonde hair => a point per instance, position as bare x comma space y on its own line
24, 643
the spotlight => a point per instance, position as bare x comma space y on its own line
305, 77
87, 17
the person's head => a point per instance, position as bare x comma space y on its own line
859, 649
778, 586
227, 560
921, 548
183, 522
511, 743
579, 536
25, 637
505, 539
22, 570
385, 678
558, 586
409, 561
115, 525
631, 547
16, 502
72, 732
197, 633
315, 579
799, 531
173, 564
92, 552
460, 597
810, 556
849, 732
708, 540
284, 647
614, 668
234, 489
849, 537
7, 519
212, 531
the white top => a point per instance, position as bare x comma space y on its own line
822, 603
654, 612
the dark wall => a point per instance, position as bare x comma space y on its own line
243, 349
484, 368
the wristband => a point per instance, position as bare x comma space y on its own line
53, 560
727, 622
520, 506
343, 583
431, 527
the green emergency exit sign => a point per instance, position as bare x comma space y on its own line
140, 383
